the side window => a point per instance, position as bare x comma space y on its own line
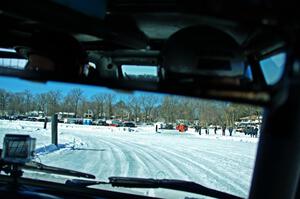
273, 67
13, 63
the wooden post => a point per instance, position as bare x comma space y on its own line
54, 129
45, 123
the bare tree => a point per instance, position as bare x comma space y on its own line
208, 113
121, 110
72, 100
98, 102
84, 106
4, 96
67, 104
233, 112
169, 108
28, 100
42, 102
16, 103
148, 103
135, 108
53, 99
185, 109
109, 99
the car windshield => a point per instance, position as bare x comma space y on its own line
110, 133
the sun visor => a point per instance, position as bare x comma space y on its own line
203, 50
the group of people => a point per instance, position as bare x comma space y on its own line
198, 129
252, 131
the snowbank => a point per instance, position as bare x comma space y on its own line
49, 148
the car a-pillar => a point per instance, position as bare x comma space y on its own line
277, 167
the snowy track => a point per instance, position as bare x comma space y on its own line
225, 165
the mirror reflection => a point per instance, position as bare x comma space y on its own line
145, 73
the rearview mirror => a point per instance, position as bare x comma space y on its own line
205, 51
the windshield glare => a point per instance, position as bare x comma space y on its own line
148, 135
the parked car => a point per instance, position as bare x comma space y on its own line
240, 129
168, 126
129, 124
114, 123
70, 120
100, 122
79, 121
21, 117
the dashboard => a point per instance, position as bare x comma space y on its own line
30, 188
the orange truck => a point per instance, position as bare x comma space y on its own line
182, 128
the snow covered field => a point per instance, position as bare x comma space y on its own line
219, 162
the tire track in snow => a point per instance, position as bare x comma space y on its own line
116, 163
150, 162
112, 159
129, 156
236, 166
164, 162
215, 176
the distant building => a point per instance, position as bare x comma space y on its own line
63, 115
244, 122
252, 119
35, 114
89, 114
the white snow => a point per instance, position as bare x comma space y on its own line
220, 162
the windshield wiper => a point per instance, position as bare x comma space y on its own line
84, 183
179, 185
36, 166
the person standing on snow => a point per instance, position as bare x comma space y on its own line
223, 130
230, 129
251, 131
196, 128
199, 130
255, 132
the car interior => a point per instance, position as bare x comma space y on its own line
204, 49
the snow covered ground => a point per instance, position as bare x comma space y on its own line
219, 162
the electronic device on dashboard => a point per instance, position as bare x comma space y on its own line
18, 148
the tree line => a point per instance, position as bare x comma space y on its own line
144, 108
